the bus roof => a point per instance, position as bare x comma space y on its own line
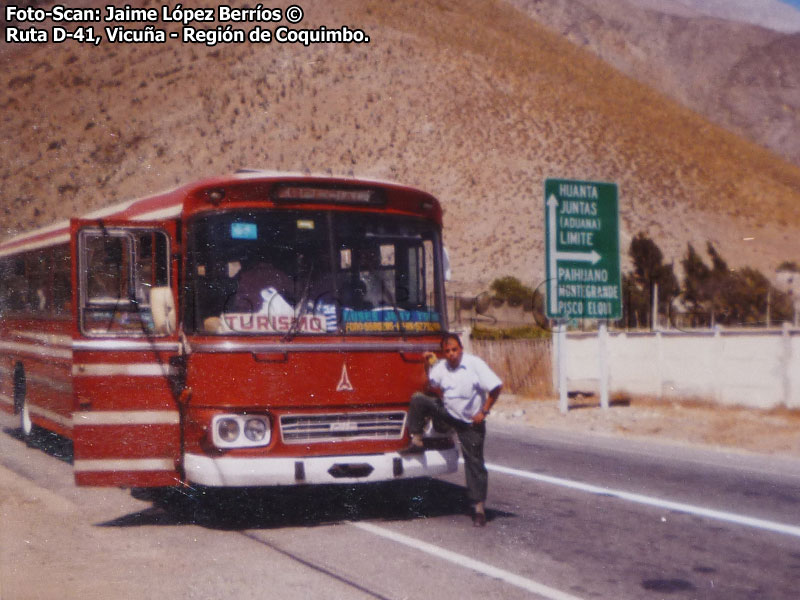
170, 204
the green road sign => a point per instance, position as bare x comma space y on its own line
582, 250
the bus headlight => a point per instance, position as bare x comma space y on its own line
255, 430
228, 430
240, 431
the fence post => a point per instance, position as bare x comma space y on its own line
786, 365
602, 348
660, 359
563, 403
717, 348
555, 341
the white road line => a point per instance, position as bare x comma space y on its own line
652, 501
466, 562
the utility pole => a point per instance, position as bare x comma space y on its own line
769, 305
655, 308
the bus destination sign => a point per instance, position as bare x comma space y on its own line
582, 250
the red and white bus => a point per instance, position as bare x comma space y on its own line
253, 330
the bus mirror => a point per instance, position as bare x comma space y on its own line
162, 305
448, 273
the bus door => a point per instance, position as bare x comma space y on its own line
126, 354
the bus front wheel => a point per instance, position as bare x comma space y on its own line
21, 404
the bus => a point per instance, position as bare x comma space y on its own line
259, 329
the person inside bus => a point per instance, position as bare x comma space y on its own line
259, 274
371, 271
215, 290
369, 286
460, 392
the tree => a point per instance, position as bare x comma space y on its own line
635, 303
649, 270
512, 290
718, 294
696, 279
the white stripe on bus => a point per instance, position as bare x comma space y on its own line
172, 210
35, 245
63, 386
124, 464
50, 415
59, 226
164, 213
34, 349
64, 341
124, 345
58, 233
131, 370
127, 417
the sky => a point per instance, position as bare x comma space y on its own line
780, 15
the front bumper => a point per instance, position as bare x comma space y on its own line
247, 472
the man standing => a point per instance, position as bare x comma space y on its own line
461, 390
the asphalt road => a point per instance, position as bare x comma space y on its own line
571, 516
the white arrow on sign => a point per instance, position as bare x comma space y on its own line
591, 257
555, 256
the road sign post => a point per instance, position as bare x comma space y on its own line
582, 250
582, 263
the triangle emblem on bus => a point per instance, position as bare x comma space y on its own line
344, 384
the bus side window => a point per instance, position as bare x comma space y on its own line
107, 263
18, 285
151, 264
37, 274
119, 268
62, 282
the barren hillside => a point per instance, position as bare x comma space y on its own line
472, 101
738, 75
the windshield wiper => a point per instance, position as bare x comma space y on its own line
395, 308
303, 304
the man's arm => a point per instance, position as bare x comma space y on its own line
491, 398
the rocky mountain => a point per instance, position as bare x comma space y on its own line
779, 15
706, 54
473, 101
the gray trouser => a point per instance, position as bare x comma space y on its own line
470, 436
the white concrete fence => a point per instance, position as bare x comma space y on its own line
756, 368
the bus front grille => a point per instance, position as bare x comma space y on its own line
342, 427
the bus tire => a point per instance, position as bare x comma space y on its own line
26, 426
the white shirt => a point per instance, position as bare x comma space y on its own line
464, 389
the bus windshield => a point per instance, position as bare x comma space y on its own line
322, 272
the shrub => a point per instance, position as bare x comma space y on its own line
525, 332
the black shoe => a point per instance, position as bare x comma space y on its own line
413, 448
479, 519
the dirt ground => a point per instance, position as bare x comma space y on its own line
773, 432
